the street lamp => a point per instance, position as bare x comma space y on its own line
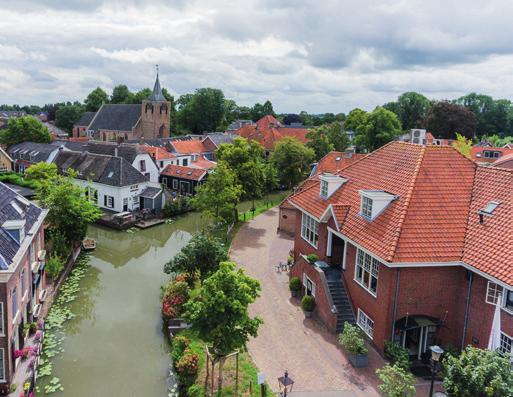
285, 383
436, 353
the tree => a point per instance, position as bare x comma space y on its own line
397, 382
292, 118
411, 108
292, 160
319, 142
478, 373
69, 210
354, 119
483, 107
201, 111
463, 145
95, 99
41, 172
121, 94
245, 159
258, 110
444, 119
67, 115
219, 313
23, 129
219, 195
337, 137
377, 128
202, 255
141, 95
271, 179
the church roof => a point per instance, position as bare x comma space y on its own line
157, 95
116, 117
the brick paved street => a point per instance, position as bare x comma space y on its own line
287, 340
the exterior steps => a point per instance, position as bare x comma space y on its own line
340, 298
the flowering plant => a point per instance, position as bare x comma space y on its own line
187, 367
175, 296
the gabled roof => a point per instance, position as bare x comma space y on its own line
476, 153
189, 146
203, 163
128, 151
505, 161
426, 223
218, 138
158, 153
179, 171
489, 245
85, 119
31, 151
116, 117
334, 162
108, 170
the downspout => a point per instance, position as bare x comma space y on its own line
467, 309
396, 298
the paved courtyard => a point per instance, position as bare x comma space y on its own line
287, 340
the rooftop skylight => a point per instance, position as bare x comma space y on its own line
490, 208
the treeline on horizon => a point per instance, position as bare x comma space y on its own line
207, 109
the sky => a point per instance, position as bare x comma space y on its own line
313, 55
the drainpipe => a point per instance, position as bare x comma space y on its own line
396, 298
467, 309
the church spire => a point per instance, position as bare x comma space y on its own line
157, 95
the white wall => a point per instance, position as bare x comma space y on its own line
151, 168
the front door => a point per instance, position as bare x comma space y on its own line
418, 340
141, 203
125, 204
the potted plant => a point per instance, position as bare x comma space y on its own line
294, 286
308, 305
353, 342
32, 328
312, 258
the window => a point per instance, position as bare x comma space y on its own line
161, 164
2, 367
366, 207
324, 189
185, 162
506, 344
365, 323
175, 184
310, 229
508, 304
309, 285
92, 195
142, 164
366, 271
14, 301
493, 291
108, 201
23, 283
164, 180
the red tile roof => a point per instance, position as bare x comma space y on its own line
189, 146
505, 161
203, 163
179, 171
488, 246
334, 162
425, 223
158, 153
476, 153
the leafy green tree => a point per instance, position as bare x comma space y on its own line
201, 111
258, 110
444, 119
69, 210
219, 313
478, 373
319, 142
141, 95
41, 172
219, 195
292, 160
463, 145
411, 108
271, 179
22, 129
67, 115
54, 266
396, 381
291, 118
202, 255
483, 107
95, 99
378, 128
354, 119
121, 94
337, 136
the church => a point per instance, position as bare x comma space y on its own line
123, 122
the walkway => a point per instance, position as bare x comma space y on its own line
287, 340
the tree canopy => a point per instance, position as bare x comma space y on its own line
67, 115
292, 161
319, 142
411, 108
95, 99
201, 111
21, 129
354, 119
444, 119
376, 129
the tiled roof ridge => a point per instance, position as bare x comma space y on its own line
406, 204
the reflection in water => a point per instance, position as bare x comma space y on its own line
115, 346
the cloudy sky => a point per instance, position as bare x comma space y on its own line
313, 55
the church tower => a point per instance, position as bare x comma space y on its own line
155, 113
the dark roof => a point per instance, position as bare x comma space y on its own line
128, 151
157, 95
157, 142
22, 191
86, 119
71, 145
116, 117
31, 151
11, 203
108, 170
150, 192
219, 137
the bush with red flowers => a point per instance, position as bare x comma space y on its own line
187, 368
175, 296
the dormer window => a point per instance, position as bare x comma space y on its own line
374, 202
329, 184
15, 229
324, 189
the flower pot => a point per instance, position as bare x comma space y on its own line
308, 313
359, 360
294, 294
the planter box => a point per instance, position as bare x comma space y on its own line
308, 314
358, 360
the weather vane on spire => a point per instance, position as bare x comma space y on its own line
157, 67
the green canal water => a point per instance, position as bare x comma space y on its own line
115, 345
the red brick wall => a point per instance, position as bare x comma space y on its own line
287, 220
302, 246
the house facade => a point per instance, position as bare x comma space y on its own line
183, 180
6, 162
22, 275
26, 154
412, 244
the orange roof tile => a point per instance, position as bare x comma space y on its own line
334, 162
203, 163
189, 146
505, 161
476, 153
158, 153
179, 171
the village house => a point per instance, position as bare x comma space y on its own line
488, 154
183, 180
6, 162
414, 246
5, 115
112, 182
505, 161
22, 275
26, 154
80, 127
123, 122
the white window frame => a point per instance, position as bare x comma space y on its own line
310, 230
175, 184
109, 201
307, 279
365, 323
324, 189
508, 341
91, 194
2, 321
366, 210
369, 265
2, 373
493, 291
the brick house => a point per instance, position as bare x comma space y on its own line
414, 245
22, 275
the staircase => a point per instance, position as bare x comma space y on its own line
340, 298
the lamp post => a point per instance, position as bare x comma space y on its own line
285, 384
436, 353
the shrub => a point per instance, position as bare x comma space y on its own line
312, 258
290, 259
397, 382
175, 296
179, 205
187, 368
295, 284
352, 340
397, 354
54, 266
308, 303
178, 346
59, 245
17, 179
